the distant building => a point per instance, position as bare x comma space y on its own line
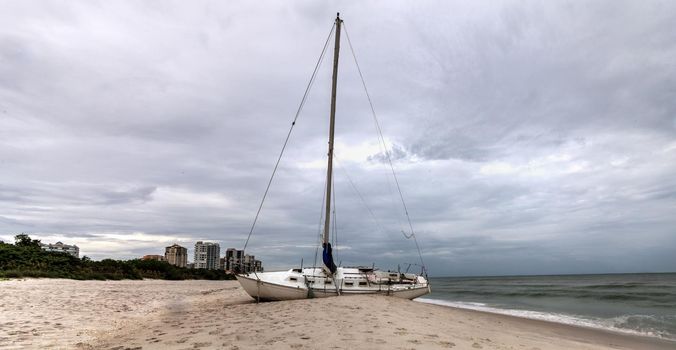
207, 255
190, 265
250, 264
61, 248
176, 255
221, 264
258, 266
153, 257
236, 261
233, 260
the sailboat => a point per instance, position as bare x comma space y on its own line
329, 279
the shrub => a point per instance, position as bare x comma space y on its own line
25, 258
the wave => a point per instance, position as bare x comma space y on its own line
571, 293
643, 325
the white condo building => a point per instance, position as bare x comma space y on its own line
61, 248
207, 255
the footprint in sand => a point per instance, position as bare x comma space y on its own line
477, 346
273, 340
200, 345
446, 344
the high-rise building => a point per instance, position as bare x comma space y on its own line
237, 262
250, 264
233, 260
176, 255
258, 266
61, 248
206, 255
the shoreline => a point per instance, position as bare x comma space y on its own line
606, 335
157, 314
588, 324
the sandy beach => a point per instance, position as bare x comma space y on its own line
154, 314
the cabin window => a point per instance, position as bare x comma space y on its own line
293, 279
362, 283
348, 284
327, 281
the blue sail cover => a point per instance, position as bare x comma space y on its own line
327, 256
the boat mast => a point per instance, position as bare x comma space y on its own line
329, 170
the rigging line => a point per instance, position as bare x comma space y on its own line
382, 139
288, 135
361, 197
407, 236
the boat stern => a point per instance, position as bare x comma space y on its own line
271, 286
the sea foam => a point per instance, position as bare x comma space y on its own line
614, 324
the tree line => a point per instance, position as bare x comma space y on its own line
25, 258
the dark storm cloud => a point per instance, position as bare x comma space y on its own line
528, 137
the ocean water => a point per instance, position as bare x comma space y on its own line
642, 304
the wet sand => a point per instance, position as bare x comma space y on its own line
152, 314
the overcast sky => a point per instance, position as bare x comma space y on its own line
529, 137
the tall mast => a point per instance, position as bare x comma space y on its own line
329, 170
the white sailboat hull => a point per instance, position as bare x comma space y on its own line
312, 283
267, 291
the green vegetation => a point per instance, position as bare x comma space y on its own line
25, 258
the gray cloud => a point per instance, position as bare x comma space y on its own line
528, 137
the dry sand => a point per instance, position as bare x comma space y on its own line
152, 314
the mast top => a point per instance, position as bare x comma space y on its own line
338, 17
